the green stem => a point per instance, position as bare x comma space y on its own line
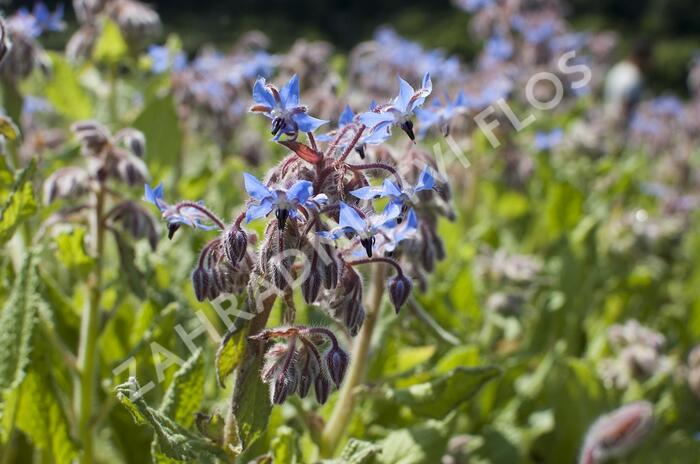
342, 412
89, 332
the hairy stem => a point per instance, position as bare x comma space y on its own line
336, 426
89, 332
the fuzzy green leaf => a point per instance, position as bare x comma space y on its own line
65, 92
359, 452
440, 396
421, 444
18, 320
111, 46
160, 125
173, 440
229, 354
19, 205
184, 396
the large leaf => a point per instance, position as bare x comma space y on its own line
64, 91
184, 396
39, 412
173, 440
19, 205
230, 353
159, 123
18, 320
421, 444
359, 452
442, 395
111, 46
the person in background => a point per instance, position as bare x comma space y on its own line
625, 82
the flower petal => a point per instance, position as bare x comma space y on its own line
372, 119
367, 193
307, 123
300, 191
346, 116
289, 94
406, 92
262, 95
390, 189
255, 188
426, 181
258, 211
350, 219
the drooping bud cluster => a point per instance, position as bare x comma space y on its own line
638, 354
307, 357
615, 434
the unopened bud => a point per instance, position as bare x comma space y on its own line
311, 287
236, 243
337, 361
399, 289
322, 388
202, 283
615, 434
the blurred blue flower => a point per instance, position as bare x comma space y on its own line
394, 233
178, 214
283, 108
399, 111
33, 105
535, 30
283, 202
162, 59
498, 49
47, 21
472, 6
547, 140
440, 114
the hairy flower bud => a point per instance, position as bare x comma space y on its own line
201, 281
615, 434
69, 182
130, 169
399, 290
309, 370
236, 243
311, 287
134, 140
322, 388
337, 362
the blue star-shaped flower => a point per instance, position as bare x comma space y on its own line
399, 111
440, 115
350, 222
283, 108
47, 21
162, 59
177, 215
283, 202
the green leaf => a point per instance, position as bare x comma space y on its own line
130, 273
160, 124
19, 205
64, 91
42, 419
445, 393
70, 250
173, 440
8, 129
359, 452
230, 353
422, 444
183, 397
284, 447
111, 46
18, 319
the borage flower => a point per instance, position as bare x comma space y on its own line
283, 108
367, 138
186, 213
398, 113
284, 201
441, 115
402, 197
351, 222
